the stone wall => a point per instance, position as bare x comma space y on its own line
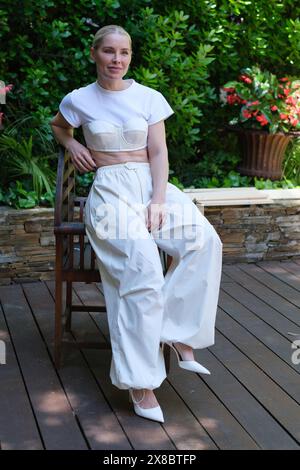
27, 244
249, 233
257, 232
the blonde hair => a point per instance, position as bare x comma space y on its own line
109, 29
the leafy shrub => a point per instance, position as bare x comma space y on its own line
20, 196
263, 101
27, 177
187, 49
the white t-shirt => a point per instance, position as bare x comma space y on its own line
115, 120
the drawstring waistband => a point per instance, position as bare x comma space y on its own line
118, 166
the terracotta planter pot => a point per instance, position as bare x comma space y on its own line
262, 153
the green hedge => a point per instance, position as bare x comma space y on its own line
185, 49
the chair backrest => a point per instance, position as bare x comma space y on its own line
75, 257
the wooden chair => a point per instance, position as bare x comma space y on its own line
69, 230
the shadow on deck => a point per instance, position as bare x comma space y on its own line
250, 401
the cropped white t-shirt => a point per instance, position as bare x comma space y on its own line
114, 120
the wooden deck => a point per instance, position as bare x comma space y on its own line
251, 400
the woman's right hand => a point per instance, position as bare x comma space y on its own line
81, 157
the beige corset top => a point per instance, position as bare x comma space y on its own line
106, 136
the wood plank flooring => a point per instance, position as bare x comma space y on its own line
250, 401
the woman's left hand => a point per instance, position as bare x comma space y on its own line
156, 215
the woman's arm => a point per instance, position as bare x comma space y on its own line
80, 155
62, 130
159, 164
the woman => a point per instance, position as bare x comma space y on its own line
132, 210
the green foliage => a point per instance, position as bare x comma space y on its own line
174, 180
186, 49
20, 196
27, 177
262, 100
167, 61
23, 163
291, 163
261, 183
83, 183
214, 171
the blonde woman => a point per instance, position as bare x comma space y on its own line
131, 210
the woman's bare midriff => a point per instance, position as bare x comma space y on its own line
112, 158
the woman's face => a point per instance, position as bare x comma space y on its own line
112, 56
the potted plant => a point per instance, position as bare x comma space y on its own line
266, 116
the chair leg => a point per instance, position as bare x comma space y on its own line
169, 261
58, 303
68, 325
58, 322
167, 357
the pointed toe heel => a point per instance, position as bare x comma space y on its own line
154, 414
192, 366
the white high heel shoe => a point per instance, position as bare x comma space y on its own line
150, 413
193, 366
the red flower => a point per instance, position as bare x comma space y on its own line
291, 100
294, 121
6, 89
245, 78
254, 103
262, 120
233, 98
282, 100
229, 90
246, 114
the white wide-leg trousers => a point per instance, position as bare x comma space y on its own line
145, 308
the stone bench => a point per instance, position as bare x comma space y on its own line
253, 225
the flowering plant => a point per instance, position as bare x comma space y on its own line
263, 101
3, 90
